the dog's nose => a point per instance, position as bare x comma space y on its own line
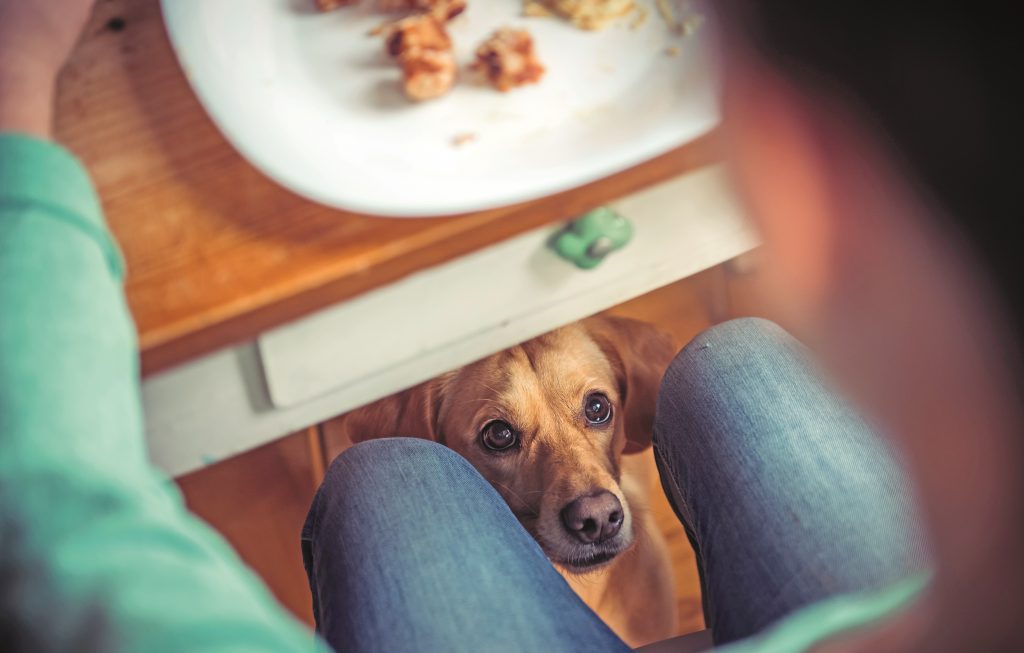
594, 518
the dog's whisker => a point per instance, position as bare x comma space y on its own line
478, 399
519, 498
528, 492
487, 387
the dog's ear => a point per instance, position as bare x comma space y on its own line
410, 413
639, 355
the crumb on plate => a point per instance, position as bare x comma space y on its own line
691, 24
685, 26
667, 14
673, 51
508, 59
463, 138
640, 18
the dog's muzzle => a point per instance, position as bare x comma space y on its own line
594, 518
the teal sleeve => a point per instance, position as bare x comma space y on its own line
811, 626
108, 529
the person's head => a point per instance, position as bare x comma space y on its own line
851, 129
878, 150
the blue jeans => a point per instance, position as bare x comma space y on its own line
787, 497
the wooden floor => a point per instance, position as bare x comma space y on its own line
258, 500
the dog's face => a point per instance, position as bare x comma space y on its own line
546, 423
543, 423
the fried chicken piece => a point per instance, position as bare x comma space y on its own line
330, 5
424, 51
427, 74
443, 10
417, 33
508, 59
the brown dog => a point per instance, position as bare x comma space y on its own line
547, 423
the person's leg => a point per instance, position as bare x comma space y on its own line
408, 548
787, 496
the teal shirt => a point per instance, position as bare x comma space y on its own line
76, 487
75, 483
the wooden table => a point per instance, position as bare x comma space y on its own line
216, 252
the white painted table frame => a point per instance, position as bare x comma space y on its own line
384, 341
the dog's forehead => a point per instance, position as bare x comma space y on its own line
558, 366
536, 377
565, 354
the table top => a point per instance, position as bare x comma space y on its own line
218, 253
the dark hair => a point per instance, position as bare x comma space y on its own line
940, 82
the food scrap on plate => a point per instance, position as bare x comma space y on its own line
424, 51
508, 59
585, 14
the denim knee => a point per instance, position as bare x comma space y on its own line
375, 472
743, 336
374, 463
700, 367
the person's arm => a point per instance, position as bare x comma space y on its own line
75, 484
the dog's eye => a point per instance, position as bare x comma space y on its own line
498, 436
596, 408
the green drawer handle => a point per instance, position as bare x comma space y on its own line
588, 239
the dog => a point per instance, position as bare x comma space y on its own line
554, 425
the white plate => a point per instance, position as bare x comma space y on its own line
312, 101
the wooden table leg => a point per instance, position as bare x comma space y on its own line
317, 453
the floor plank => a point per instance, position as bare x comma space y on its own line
258, 502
